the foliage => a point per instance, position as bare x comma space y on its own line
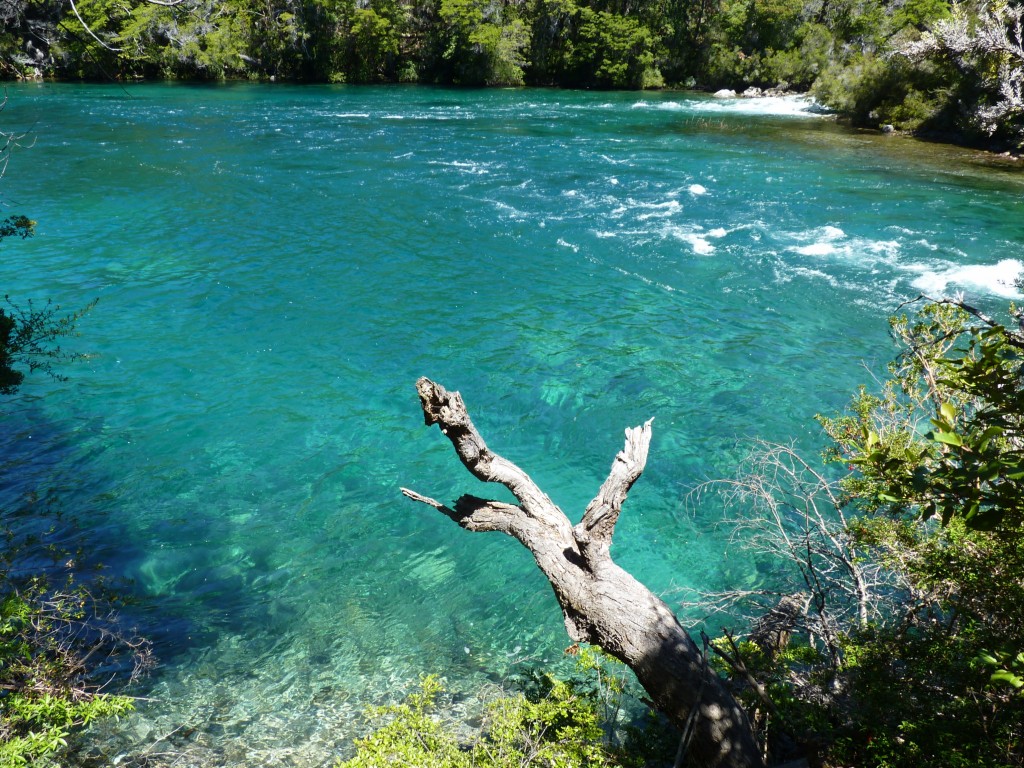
375, 36
553, 724
558, 729
611, 51
411, 735
947, 714
481, 43
43, 677
17, 226
967, 459
985, 47
911, 563
924, 65
932, 66
941, 442
26, 338
1009, 669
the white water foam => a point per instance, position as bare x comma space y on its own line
510, 211
474, 169
996, 279
660, 210
782, 106
657, 210
824, 241
832, 241
614, 161
697, 241
816, 249
926, 273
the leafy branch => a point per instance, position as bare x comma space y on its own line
27, 336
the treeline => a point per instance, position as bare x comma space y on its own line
915, 64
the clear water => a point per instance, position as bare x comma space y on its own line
275, 267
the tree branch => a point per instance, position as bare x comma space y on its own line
1013, 338
475, 514
594, 532
448, 411
601, 603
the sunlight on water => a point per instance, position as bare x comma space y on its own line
275, 267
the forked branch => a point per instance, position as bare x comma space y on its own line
601, 603
594, 532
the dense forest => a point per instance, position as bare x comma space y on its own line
918, 65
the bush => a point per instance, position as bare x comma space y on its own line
44, 674
553, 723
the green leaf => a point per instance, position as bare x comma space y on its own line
948, 438
948, 412
1017, 473
1008, 678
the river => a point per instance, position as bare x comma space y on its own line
276, 265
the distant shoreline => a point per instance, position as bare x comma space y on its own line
1007, 155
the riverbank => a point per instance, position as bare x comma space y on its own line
877, 63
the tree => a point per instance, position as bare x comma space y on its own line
962, 379
601, 603
912, 562
481, 43
986, 46
613, 51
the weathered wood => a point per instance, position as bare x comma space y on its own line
771, 632
601, 603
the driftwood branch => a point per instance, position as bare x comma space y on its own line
447, 410
594, 531
601, 603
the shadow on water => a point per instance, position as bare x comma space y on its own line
53, 506
59, 509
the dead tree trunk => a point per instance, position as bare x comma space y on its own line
601, 603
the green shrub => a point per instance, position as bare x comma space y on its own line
553, 723
44, 697
558, 730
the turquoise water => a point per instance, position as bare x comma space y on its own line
275, 267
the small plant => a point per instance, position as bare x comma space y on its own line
27, 337
46, 691
557, 724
